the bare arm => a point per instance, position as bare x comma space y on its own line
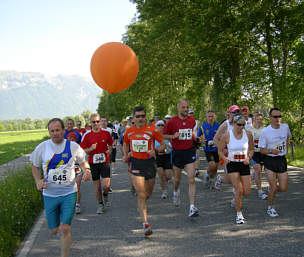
250, 147
125, 149
87, 171
221, 146
90, 149
219, 133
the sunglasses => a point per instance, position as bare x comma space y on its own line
95, 121
276, 116
240, 124
235, 112
140, 116
160, 125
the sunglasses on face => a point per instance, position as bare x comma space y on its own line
240, 124
140, 116
276, 116
95, 121
161, 125
235, 112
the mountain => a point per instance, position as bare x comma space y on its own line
31, 94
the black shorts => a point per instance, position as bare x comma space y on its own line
239, 167
212, 156
258, 158
100, 169
143, 167
113, 155
277, 164
180, 158
164, 161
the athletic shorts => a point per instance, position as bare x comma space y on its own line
212, 156
143, 167
180, 158
239, 167
59, 209
113, 155
277, 164
100, 170
257, 158
164, 161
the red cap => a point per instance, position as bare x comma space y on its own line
73, 135
233, 108
245, 108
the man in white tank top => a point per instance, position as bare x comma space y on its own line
239, 143
273, 142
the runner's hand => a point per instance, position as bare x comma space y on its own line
125, 158
93, 147
86, 176
247, 161
41, 184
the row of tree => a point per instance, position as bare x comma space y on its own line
216, 53
30, 124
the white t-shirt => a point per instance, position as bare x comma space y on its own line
248, 123
256, 132
42, 155
271, 138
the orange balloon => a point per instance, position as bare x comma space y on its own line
114, 67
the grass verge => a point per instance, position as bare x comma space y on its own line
298, 156
17, 143
20, 203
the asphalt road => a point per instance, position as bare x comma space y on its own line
118, 232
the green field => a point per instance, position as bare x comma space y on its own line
298, 156
14, 144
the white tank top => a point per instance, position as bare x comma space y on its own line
237, 148
229, 126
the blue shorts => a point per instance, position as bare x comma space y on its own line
59, 209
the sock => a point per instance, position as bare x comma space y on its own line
239, 214
191, 206
175, 193
77, 204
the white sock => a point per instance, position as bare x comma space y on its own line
175, 193
191, 206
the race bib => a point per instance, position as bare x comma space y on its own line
280, 146
238, 156
60, 175
140, 146
99, 158
185, 134
210, 143
256, 144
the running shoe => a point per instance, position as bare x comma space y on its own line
272, 212
239, 219
110, 190
193, 212
147, 229
107, 201
176, 199
77, 209
164, 195
100, 209
218, 183
232, 203
262, 195
133, 191
196, 173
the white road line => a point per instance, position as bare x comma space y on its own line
27, 246
196, 179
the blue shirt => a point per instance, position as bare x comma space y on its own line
209, 133
78, 135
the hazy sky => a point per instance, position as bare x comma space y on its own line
59, 36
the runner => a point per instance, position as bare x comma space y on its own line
97, 144
207, 130
179, 129
70, 128
240, 150
273, 142
257, 160
245, 112
79, 128
163, 162
57, 158
79, 173
140, 139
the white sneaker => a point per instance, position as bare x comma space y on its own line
107, 201
218, 183
100, 209
232, 203
77, 209
272, 212
239, 219
164, 195
262, 195
193, 212
176, 199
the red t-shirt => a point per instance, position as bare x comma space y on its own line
185, 129
142, 140
103, 140
81, 131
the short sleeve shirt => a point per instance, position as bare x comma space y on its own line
209, 133
142, 140
102, 138
185, 128
271, 138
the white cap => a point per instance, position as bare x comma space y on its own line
167, 116
159, 122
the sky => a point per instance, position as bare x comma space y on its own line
59, 36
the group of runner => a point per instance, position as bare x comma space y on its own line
166, 147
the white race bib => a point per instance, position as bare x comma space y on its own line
185, 134
280, 146
238, 156
140, 146
256, 145
60, 175
99, 158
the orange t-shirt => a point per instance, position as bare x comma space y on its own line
142, 140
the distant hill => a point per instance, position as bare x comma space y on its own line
31, 94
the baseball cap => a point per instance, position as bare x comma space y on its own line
167, 116
156, 115
159, 122
234, 108
245, 108
190, 111
73, 135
